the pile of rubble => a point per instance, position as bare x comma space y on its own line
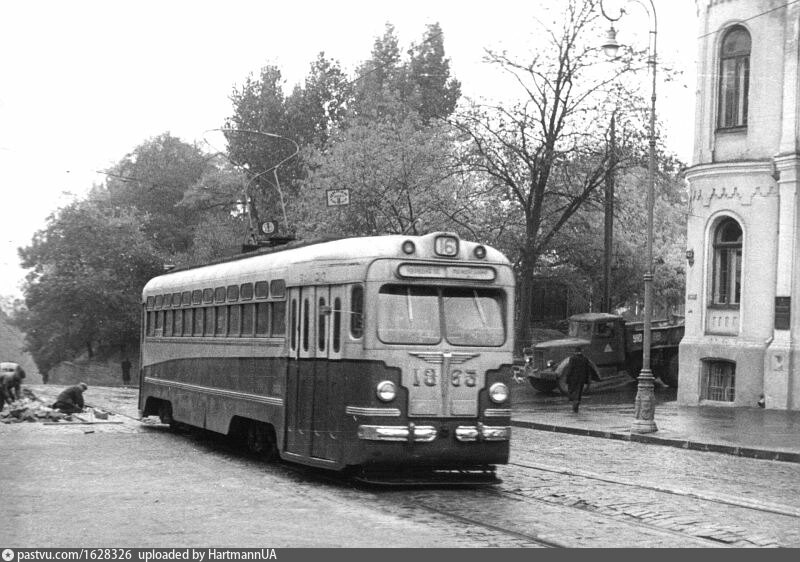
30, 408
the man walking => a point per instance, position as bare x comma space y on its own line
579, 370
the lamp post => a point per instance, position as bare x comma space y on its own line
645, 405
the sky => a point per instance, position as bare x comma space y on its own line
82, 83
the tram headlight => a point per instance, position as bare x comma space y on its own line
479, 252
498, 393
386, 391
408, 247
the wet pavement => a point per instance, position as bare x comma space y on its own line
607, 411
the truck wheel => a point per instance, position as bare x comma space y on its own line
260, 441
633, 368
669, 375
546, 387
165, 414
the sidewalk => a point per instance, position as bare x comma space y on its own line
746, 432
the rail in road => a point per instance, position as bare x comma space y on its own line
542, 505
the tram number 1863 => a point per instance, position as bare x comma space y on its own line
457, 377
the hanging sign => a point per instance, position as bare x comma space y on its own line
337, 197
267, 227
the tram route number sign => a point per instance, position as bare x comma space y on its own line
337, 197
267, 227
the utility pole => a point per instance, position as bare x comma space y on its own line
609, 214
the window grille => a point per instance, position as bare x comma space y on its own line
719, 380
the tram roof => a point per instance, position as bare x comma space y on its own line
349, 251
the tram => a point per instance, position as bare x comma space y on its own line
388, 357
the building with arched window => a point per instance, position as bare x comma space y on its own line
742, 280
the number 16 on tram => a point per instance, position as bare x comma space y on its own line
389, 356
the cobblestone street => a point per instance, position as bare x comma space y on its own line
558, 490
730, 500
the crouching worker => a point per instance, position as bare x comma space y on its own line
10, 384
70, 401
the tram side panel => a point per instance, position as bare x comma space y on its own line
209, 392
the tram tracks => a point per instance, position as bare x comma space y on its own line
714, 519
766, 507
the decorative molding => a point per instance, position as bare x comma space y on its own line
705, 196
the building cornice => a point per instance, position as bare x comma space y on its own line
732, 168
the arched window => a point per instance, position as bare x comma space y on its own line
728, 263
734, 73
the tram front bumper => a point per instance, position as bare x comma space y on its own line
427, 433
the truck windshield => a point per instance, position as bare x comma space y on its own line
580, 330
417, 315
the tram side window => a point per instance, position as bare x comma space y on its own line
262, 319
177, 323
247, 319
305, 324
198, 321
321, 318
168, 324
151, 323
337, 324
159, 322
293, 325
208, 328
278, 318
222, 320
357, 311
277, 287
187, 321
219, 294
234, 320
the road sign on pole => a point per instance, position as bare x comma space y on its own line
337, 197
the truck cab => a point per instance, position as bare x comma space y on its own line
601, 338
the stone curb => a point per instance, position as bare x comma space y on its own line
649, 439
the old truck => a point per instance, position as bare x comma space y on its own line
611, 344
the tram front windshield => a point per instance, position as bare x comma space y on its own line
424, 315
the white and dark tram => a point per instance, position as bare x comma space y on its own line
386, 356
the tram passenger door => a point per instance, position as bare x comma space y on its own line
307, 412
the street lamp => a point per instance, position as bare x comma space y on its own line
645, 405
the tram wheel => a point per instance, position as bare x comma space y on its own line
165, 414
260, 440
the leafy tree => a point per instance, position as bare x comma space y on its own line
400, 177
88, 267
388, 87
267, 130
315, 110
152, 180
580, 250
436, 93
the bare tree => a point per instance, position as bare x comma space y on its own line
547, 153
